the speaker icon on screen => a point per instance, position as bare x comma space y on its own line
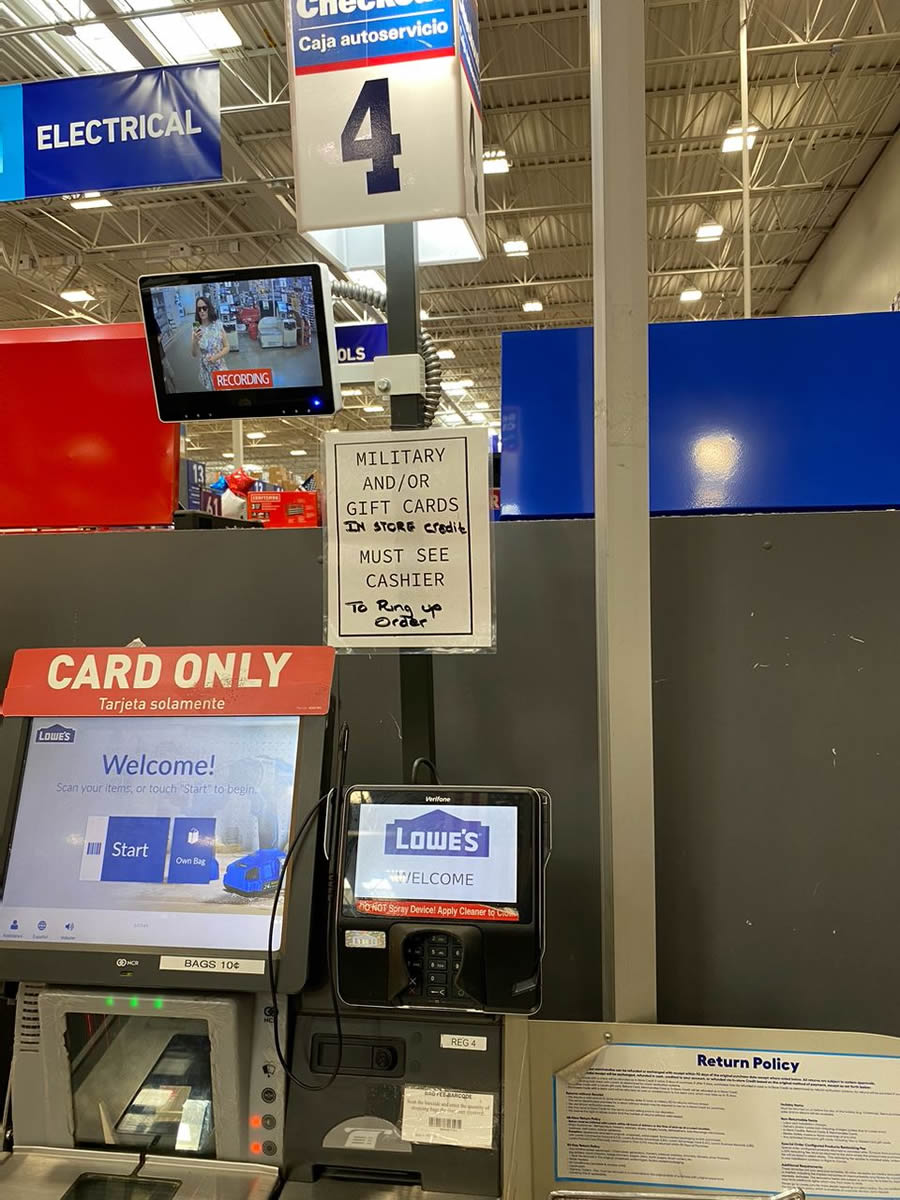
70, 926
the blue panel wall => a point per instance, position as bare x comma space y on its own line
778, 414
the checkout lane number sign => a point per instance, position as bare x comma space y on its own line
408, 540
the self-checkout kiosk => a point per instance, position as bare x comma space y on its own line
144, 796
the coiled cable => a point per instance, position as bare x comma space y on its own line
344, 290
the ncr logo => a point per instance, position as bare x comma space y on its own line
55, 733
439, 834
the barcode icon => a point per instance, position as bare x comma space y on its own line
93, 848
445, 1123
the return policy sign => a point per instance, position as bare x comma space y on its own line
408, 540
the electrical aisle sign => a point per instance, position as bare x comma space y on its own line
387, 122
104, 132
408, 540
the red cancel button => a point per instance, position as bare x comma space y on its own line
253, 377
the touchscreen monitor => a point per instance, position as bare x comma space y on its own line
454, 861
168, 832
252, 342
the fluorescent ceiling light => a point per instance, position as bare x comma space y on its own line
516, 248
533, 306
76, 296
477, 418
733, 141
253, 467
214, 29
709, 233
689, 295
97, 202
228, 454
254, 437
446, 353
452, 418
482, 404
351, 391
495, 162
424, 314
457, 385
298, 453
369, 279
452, 389
181, 37
373, 408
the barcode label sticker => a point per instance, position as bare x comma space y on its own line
445, 1117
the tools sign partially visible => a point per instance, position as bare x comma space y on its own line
408, 540
386, 117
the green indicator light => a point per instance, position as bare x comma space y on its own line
157, 1003
134, 1001
110, 1001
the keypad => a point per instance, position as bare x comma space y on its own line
434, 961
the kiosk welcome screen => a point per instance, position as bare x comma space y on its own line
452, 862
151, 831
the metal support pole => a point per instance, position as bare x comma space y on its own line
416, 670
237, 442
745, 158
622, 525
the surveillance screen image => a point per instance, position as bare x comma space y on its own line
246, 334
151, 831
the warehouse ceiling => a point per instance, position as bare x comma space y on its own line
823, 96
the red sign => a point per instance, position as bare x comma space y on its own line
226, 681
442, 910
251, 377
284, 510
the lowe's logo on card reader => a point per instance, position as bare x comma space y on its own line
55, 733
438, 833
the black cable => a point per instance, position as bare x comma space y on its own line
330, 934
424, 762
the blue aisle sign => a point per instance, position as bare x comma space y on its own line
104, 132
361, 343
333, 35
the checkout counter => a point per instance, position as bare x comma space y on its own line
190, 1028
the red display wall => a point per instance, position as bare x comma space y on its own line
80, 441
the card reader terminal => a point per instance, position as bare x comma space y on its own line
442, 899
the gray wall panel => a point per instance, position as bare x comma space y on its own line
776, 646
776, 748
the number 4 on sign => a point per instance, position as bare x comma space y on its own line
374, 101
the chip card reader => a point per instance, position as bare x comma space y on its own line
442, 897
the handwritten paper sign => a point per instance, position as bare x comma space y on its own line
408, 540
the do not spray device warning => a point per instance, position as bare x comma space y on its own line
443, 897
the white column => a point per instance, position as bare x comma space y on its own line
237, 442
622, 510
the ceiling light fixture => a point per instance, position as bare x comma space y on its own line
482, 404
90, 200
228, 454
351, 391
733, 142
298, 453
689, 295
709, 233
253, 467
255, 437
533, 306
457, 385
424, 314
76, 296
446, 353
495, 162
477, 418
516, 248
373, 408
452, 418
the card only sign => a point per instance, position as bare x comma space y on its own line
408, 540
